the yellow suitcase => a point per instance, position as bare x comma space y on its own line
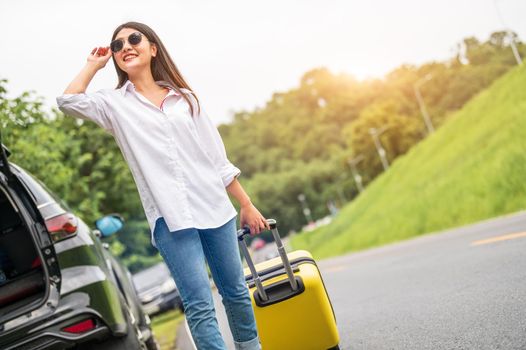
290, 302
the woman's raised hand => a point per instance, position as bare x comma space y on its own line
99, 56
97, 59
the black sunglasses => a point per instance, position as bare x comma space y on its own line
117, 44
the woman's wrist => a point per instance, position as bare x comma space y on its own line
93, 67
245, 203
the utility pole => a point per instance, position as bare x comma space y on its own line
354, 170
510, 35
421, 104
306, 210
514, 49
375, 133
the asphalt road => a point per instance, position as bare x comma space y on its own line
459, 289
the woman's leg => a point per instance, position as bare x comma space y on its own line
222, 253
183, 253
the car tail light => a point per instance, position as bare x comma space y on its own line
36, 263
80, 327
62, 226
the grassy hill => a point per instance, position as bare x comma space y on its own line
472, 168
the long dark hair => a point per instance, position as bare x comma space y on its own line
162, 65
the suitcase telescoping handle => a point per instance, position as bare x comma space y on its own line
282, 253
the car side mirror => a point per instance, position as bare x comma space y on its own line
109, 224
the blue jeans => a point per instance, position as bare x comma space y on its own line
184, 252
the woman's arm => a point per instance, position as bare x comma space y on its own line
248, 214
88, 106
96, 61
213, 144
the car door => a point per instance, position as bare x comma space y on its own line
46, 278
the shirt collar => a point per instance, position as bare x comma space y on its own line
125, 87
128, 85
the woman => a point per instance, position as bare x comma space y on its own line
180, 167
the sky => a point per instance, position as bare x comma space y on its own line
236, 53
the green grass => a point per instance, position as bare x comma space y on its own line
165, 326
472, 168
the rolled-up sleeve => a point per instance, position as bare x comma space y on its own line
87, 106
213, 145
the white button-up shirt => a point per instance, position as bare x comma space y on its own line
178, 161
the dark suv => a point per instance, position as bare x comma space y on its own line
59, 285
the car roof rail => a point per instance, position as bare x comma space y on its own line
4, 147
6, 150
4, 163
